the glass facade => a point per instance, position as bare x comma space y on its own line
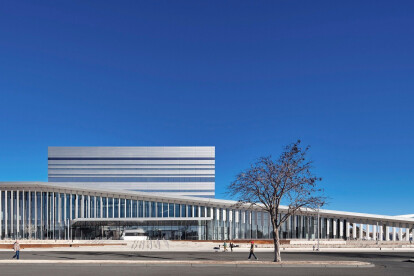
70, 215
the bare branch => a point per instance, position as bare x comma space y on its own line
268, 183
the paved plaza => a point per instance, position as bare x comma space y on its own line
385, 263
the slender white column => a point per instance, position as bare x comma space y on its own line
162, 206
65, 216
6, 218
125, 211
59, 213
130, 207
354, 230
53, 207
29, 218
400, 238
59, 208
341, 228
407, 233
131, 211
88, 207
65, 204
2, 217
47, 215
288, 227
42, 219
237, 227
11, 215
394, 233
35, 211
327, 227
367, 232
374, 232
150, 208
381, 232
76, 206
82, 212
23, 215
361, 230
230, 219
334, 228
17, 215
107, 208
70, 206
119, 208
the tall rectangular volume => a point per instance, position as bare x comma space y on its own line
187, 171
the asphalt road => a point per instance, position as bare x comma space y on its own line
386, 263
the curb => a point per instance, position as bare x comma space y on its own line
184, 264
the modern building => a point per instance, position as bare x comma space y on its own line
101, 208
187, 171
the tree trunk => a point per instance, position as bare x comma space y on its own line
276, 242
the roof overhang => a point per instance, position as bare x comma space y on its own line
126, 221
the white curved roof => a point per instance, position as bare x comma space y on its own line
406, 216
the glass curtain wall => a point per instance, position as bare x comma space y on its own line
51, 215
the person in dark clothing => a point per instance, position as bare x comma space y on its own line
252, 251
231, 246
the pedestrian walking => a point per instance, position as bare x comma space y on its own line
231, 246
16, 247
224, 246
252, 251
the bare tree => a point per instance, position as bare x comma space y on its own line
288, 180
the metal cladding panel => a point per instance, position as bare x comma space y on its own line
131, 152
117, 171
132, 162
143, 186
178, 170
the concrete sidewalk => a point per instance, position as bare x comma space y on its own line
336, 264
206, 250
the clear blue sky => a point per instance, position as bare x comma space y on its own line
246, 76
